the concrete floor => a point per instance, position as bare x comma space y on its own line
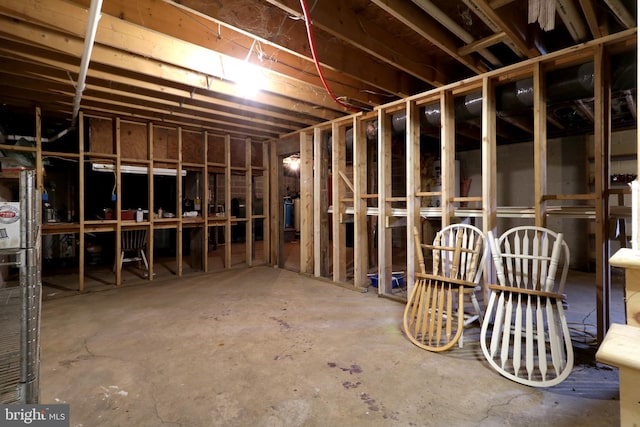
269, 347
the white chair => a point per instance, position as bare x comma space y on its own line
434, 316
133, 244
524, 334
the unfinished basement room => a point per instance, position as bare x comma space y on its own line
319, 213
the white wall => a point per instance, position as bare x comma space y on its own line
568, 167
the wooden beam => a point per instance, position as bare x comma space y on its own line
540, 143
227, 201
483, 43
489, 168
360, 233
345, 24
514, 36
431, 30
248, 196
589, 10
118, 175
267, 190
385, 248
275, 211
602, 141
139, 105
157, 47
317, 208
150, 238
81, 207
413, 174
36, 61
447, 155
179, 198
338, 163
278, 47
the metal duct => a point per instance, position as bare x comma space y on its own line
562, 85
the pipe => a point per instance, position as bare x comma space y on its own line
572, 83
92, 28
33, 138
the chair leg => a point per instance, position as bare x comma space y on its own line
144, 259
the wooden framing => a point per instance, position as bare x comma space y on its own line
489, 212
385, 261
110, 151
360, 232
338, 163
307, 218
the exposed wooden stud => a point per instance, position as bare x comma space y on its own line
205, 201
118, 174
360, 234
317, 209
540, 143
307, 219
248, 196
81, 209
489, 169
385, 255
227, 201
179, 198
591, 16
276, 237
150, 235
266, 204
447, 155
602, 141
412, 167
338, 162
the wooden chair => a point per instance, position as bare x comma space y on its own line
524, 334
434, 316
134, 243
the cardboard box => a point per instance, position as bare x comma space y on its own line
10, 218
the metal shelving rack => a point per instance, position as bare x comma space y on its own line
20, 301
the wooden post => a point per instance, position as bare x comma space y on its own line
266, 205
118, 173
489, 169
360, 233
385, 255
275, 216
602, 140
150, 240
306, 204
413, 187
248, 204
540, 143
179, 196
205, 202
317, 211
227, 201
447, 155
338, 163
81, 186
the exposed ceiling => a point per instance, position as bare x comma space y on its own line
180, 62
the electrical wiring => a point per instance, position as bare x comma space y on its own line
307, 22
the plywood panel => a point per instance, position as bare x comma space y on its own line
101, 136
215, 149
238, 154
192, 148
256, 154
165, 143
133, 139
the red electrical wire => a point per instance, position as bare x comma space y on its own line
307, 21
